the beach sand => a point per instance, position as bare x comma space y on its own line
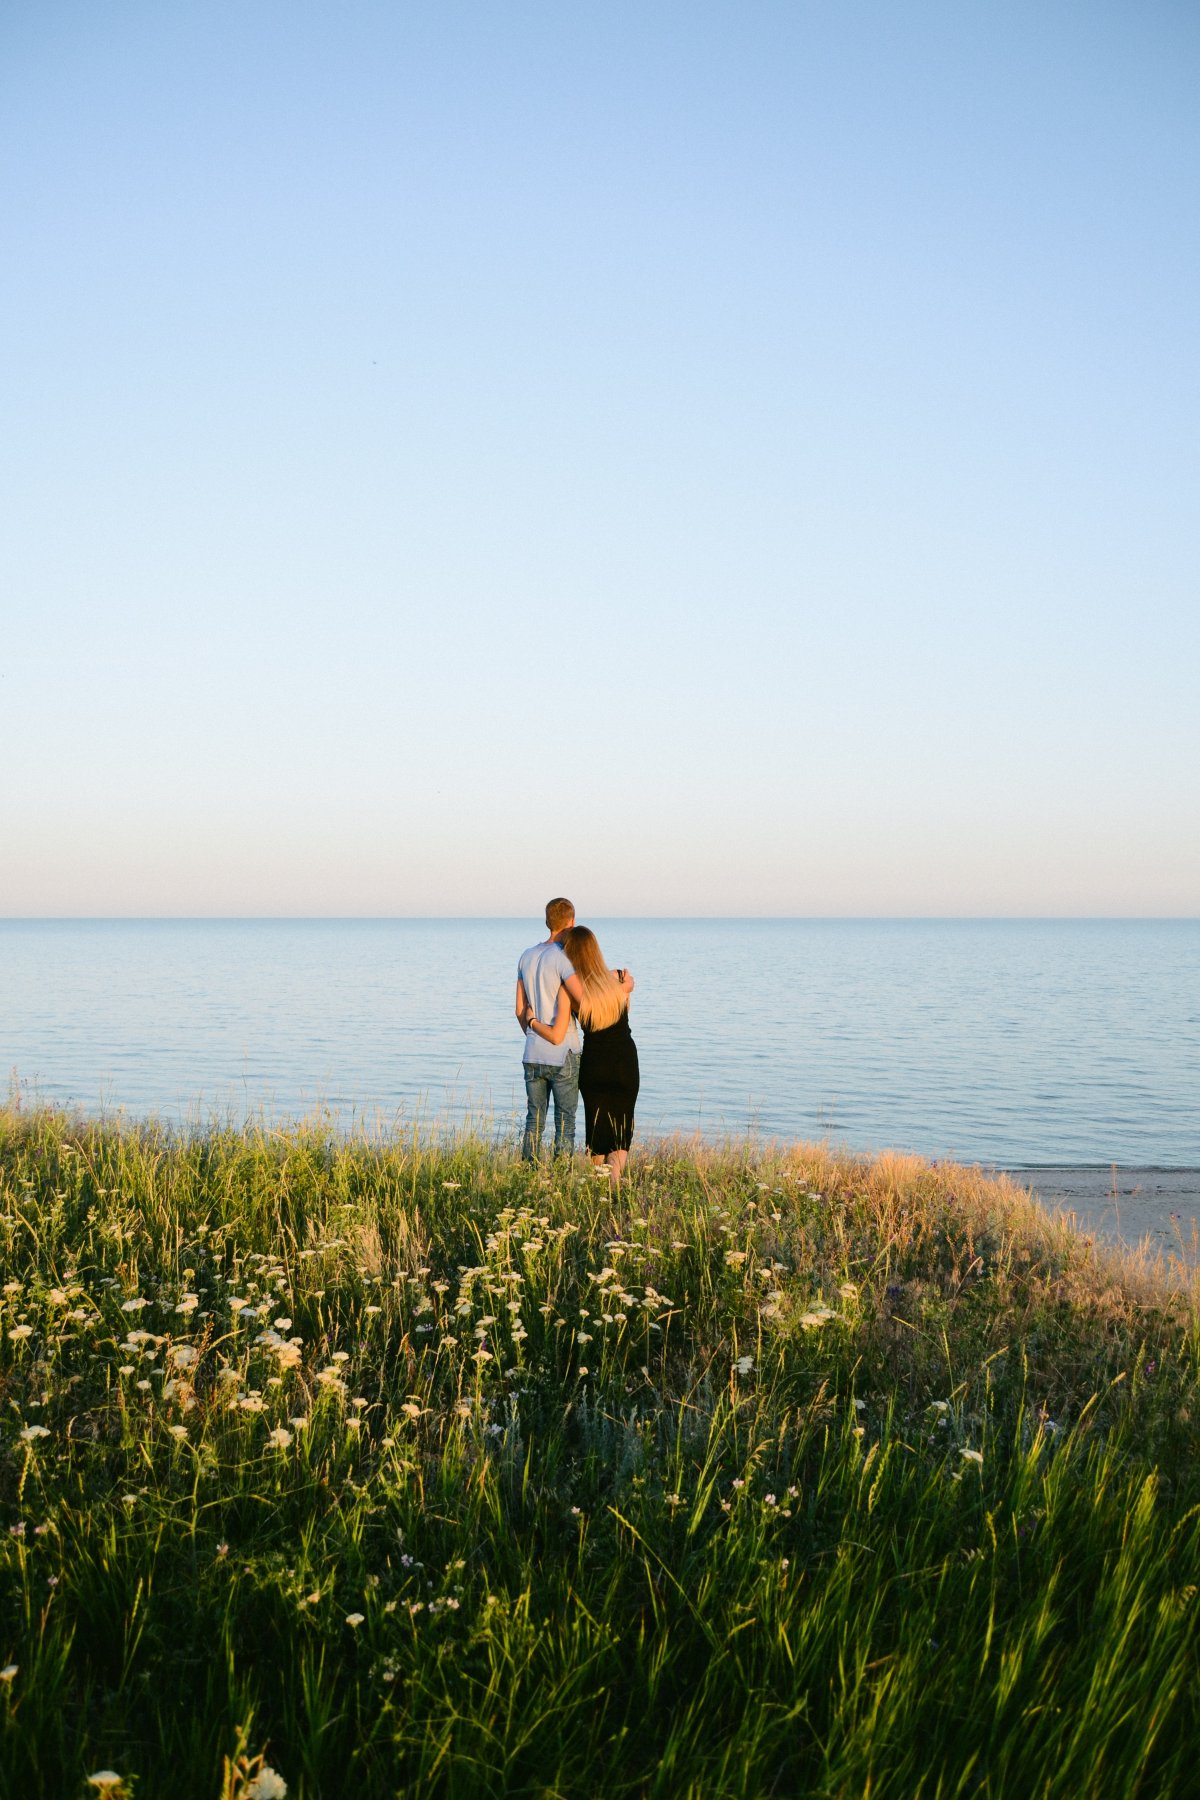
1158, 1207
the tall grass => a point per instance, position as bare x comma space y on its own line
414, 1471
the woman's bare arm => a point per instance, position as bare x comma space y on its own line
554, 1034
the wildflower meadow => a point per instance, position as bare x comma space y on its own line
382, 1466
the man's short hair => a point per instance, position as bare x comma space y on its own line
559, 914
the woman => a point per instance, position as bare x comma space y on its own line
608, 1069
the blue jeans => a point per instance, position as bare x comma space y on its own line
542, 1080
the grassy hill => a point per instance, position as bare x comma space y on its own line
413, 1471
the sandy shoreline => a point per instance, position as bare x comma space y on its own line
1160, 1207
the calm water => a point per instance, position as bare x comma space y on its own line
1004, 1042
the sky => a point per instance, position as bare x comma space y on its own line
697, 458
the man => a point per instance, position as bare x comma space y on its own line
542, 973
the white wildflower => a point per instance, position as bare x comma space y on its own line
268, 1784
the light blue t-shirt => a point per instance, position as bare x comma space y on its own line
543, 968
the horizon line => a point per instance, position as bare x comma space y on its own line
915, 918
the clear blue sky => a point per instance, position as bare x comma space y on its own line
700, 458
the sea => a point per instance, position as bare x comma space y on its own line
1068, 1045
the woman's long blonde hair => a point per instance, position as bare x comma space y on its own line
604, 999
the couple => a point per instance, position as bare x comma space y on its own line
557, 980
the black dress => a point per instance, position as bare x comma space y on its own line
608, 1081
